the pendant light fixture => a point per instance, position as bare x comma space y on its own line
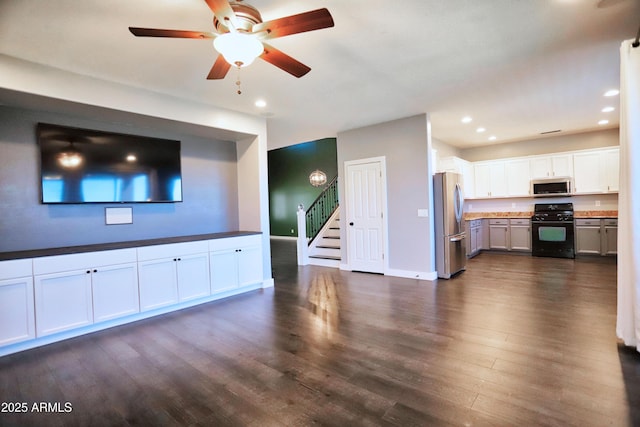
317, 178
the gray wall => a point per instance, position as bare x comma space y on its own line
550, 144
209, 183
405, 144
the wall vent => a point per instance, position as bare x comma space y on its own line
551, 131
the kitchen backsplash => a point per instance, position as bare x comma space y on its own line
600, 202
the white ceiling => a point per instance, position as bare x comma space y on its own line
518, 67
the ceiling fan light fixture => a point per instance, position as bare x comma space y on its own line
238, 48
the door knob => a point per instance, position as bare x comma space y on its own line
351, 223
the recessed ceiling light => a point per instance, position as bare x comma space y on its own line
261, 103
466, 119
480, 130
612, 92
607, 109
603, 122
492, 138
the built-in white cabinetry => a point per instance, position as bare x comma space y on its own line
596, 171
17, 318
611, 175
235, 263
593, 171
550, 166
173, 272
499, 233
64, 288
597, 236
518, 177
520, 234
462, 167
115, 291
490, 179
587, 172
82, 292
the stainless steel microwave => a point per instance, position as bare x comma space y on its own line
552, 187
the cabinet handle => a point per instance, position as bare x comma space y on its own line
95, 270
88, 271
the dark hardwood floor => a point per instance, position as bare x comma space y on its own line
513, 341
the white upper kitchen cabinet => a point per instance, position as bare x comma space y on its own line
553, 165
611, 160
596, 171
519, 177
490, 179
462, 167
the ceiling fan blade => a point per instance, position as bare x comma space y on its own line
182, 34
283, 61
294, 24
219, 70
222, 10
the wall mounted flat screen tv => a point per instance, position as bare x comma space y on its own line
89, 166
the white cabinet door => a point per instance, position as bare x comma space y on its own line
482, 175
562, 165
193, 276
587, 173
549, 166
224, 270
158, 283
115, 291
518, 177
611, 169
498, 179
63, 301
17, 319
249, 265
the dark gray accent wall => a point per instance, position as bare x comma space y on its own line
209, 185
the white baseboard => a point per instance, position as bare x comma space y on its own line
419, 275
283, 237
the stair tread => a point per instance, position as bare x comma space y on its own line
331, 237
327, 247
336, 258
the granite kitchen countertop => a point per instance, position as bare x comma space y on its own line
528, 214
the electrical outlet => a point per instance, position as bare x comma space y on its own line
597, 202
513, 205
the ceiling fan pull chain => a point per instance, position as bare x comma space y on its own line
238, 81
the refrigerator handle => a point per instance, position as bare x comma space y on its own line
457, 238
459, 202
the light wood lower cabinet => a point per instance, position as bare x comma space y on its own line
597, 236
510, 234
520, 234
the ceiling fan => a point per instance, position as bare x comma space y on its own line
240, 34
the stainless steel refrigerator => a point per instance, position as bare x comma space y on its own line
448, 199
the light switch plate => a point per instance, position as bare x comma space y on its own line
423, 213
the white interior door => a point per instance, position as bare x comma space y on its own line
365, 227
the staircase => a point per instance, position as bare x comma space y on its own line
324, 250
319, 229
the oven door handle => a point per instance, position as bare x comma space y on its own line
552, 223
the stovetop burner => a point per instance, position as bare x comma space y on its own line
553, 212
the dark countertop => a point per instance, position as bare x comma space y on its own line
35, 253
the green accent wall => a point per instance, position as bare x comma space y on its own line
289, 170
